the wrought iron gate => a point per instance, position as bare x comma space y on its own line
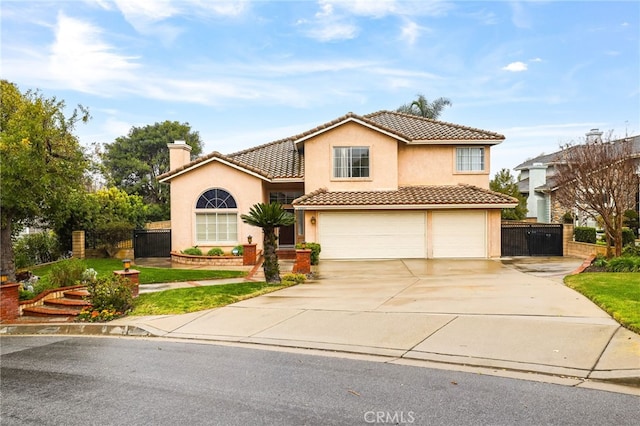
531, 239
152, 242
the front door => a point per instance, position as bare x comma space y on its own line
287, 235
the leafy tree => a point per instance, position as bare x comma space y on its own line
133, 162
423, 108
97, 211
599, 178
505, 183
42, 162
269, 217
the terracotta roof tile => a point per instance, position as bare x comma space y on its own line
407, 195
416, 128
280, 159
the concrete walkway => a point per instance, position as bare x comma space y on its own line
511, 315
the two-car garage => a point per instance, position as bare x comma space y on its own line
405, 234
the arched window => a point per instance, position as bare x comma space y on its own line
216, 217
216, 199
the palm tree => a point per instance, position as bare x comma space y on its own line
423, 108
269, 217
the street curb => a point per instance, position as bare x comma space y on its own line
94, 329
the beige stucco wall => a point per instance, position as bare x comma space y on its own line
383, 153
435, 165
187, 188
494, 233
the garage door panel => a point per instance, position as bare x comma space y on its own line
372, 235
459, 234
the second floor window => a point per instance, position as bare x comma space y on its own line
351, 162
470, 159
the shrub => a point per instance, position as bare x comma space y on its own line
315, 251
66, 273
294, 278
110, 293
34, 249
624, 264
216, 251
599, 261
585, 234
193, 251
631, 250
112, 234
628, 237
238, 250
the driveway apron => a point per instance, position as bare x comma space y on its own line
471, 312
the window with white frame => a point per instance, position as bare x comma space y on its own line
351, 162
470, 159
216, 217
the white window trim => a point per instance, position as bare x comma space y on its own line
484, 168
350, 178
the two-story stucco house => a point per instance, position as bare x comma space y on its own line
382, 185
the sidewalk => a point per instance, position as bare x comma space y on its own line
510, 322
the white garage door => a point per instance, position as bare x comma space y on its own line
459, 233
372, 235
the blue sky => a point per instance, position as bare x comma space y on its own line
245, 73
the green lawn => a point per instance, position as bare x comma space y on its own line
618, 293
184, 300
149, 275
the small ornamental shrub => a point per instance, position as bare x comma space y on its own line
216, 251
238, 250
599, 261
624, 264
628, 237
193, 251
34, 249
110, 293
631, 250
315, 251
585, 234
66, 273
294, 278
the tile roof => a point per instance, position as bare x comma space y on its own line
464, 195
415, 128
281, 159
556, 157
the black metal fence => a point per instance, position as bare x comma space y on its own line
532, 239
152, 242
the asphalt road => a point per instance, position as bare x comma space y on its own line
107, 381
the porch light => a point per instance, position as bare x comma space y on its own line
127, 264
4, 277
249, 239
313, 220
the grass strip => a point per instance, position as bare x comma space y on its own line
185, 300
617, 293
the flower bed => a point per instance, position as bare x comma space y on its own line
188, 259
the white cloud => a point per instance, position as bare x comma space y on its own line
535, 60
410, 32
81, 59
515, 67
333, 31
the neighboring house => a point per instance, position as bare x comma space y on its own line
382, 185
536, 182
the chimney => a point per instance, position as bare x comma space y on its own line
179, 154
594, 135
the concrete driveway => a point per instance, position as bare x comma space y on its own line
514, 315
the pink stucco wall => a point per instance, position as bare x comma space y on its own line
187, 188
435, 165
383, 152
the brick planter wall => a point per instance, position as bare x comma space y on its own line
133, 276
303, 262
249, 254
9, 301
206, 260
